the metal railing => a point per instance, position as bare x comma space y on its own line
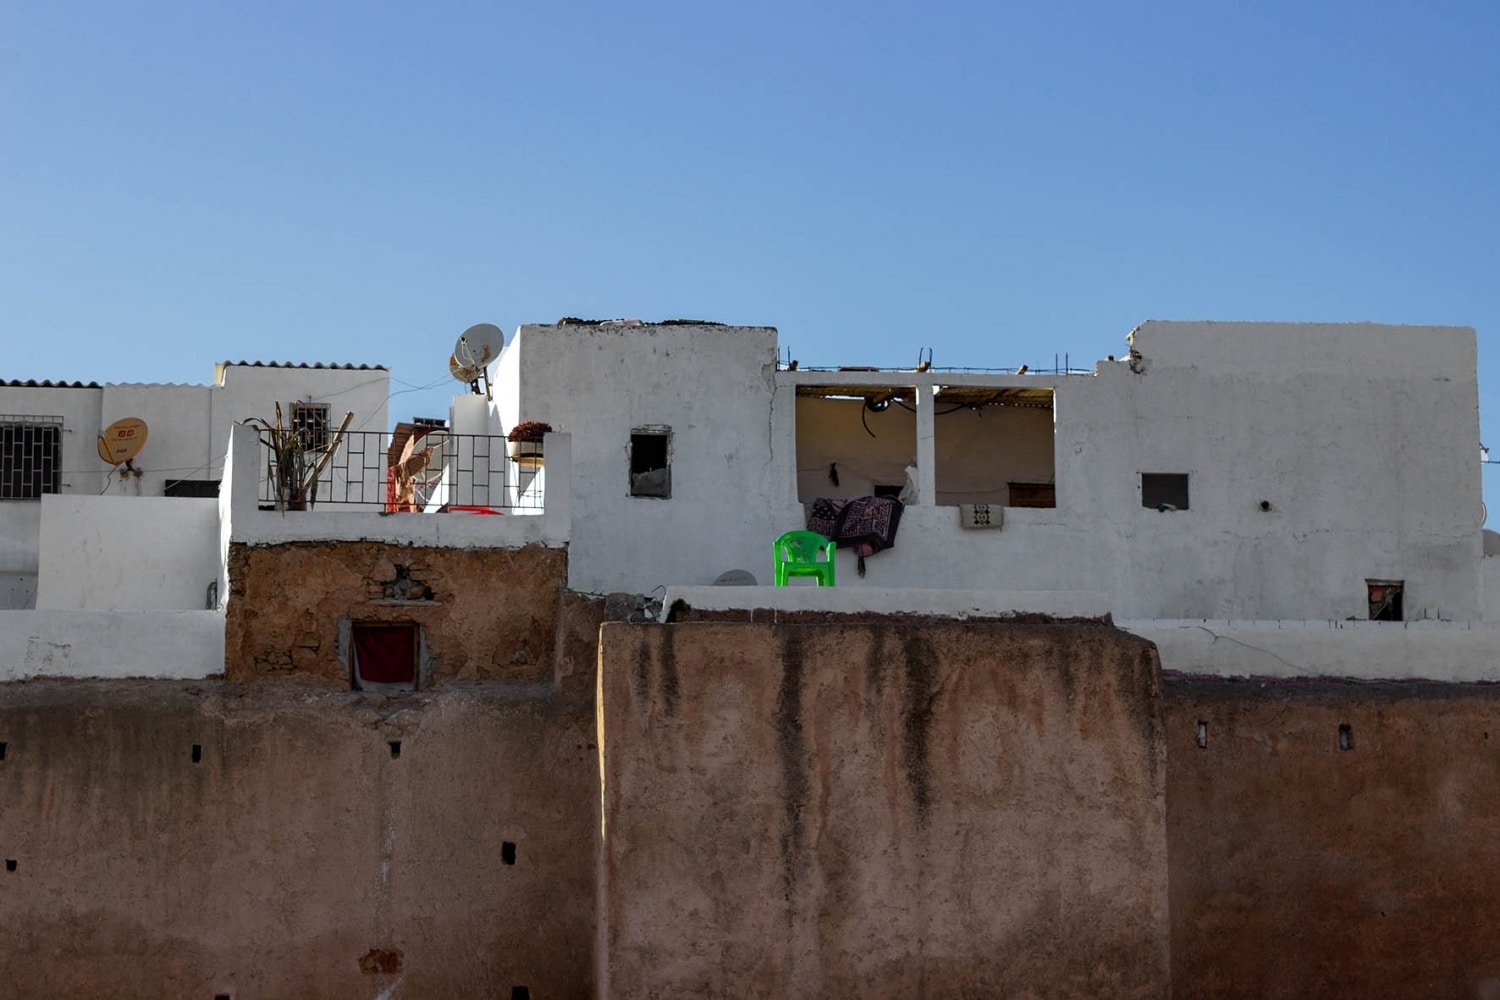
437, 472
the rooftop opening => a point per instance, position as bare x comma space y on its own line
995, 446
854, 441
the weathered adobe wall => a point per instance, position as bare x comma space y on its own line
937, 810
1300, 869
486, 614
299, 858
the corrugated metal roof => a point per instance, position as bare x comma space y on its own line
32, 383
305, 364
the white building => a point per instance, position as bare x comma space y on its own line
1219, 471
48, 447
1276, 485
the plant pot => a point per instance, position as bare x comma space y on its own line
526, 454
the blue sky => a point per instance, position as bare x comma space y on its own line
184, 183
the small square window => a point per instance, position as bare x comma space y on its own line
1164, 490
1385, 600
384, 655
650, 462
310, 421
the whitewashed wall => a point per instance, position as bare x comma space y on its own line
1363, 439
127, 553
188, 434
166, 644
713, 386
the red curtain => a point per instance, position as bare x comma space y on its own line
386, 654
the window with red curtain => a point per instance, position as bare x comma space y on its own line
385, 653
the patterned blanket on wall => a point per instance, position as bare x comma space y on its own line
866, 524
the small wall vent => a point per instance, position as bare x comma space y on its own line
980, 515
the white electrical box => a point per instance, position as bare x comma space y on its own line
981, 515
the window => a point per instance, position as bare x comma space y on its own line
384, 655
30, 457
191, 488
1385, 599
1164, 490
650, 469
1032, 495
310, 420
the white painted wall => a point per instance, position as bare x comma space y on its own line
1362, 438
1489, 579
713, 386
165, 644
1284, 413
1441, 651
188, 434
127, 553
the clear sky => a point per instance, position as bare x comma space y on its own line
185, 183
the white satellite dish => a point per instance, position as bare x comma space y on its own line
476, 349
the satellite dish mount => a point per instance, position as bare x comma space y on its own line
477, 348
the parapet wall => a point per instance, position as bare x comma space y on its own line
881, 810
1310, 861
166, 839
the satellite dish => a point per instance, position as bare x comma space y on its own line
477, 347
122, 441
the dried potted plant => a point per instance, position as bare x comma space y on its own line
293, 464
525, 443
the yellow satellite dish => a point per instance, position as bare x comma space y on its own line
122, 441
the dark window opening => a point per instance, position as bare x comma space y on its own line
1385, 600
191, 488
310, 421
1032, 495
1164, 490
10, 864
2, 750
384, 655
520, 993
1346, 737
30, 458
395, 749
888, 490
507, 853
197, 753
650, 471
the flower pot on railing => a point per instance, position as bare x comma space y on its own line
524, 443
526, 454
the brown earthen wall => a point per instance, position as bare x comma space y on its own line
486, 614
869, 810
1300, 869
297, 857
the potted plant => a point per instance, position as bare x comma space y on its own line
525, 443
293, 465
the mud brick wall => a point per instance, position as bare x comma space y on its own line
486, 614
881, 810
167, 839
1301, 868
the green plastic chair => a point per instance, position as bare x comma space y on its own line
797, 555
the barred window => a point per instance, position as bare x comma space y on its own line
30, 457
310, 421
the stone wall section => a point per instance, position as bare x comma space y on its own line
878, 810
486, 614
1333, 838
171, 839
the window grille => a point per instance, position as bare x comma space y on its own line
30, 457
310, 421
